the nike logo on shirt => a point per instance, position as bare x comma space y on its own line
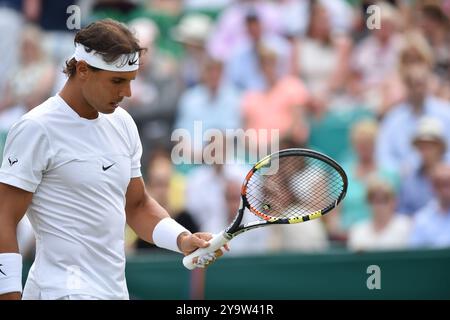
106, 168
2, 271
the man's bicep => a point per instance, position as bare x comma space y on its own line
135, 193
14, 202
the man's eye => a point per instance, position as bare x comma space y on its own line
116, 81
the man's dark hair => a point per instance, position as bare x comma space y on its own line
434, 12
109, 38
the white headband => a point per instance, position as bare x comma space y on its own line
126, 62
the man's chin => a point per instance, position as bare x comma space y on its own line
110, 109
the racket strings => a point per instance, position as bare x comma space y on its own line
299, 187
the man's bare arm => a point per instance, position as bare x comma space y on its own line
144, 213
14, 203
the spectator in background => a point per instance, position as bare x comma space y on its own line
243, 67
192, 32
394, 149
384, 229
30, 83
431, 227
322, 58
205, 189
376, 57
10, 20
355, 207
414, 50
415, 189
231, 31
330, 133
249, 243
212, 104
436, 28
280, 106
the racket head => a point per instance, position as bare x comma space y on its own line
294, 185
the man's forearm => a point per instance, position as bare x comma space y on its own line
8, 238
144, 217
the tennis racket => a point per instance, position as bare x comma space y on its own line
286, 187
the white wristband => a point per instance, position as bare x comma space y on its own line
10, 272
166, 233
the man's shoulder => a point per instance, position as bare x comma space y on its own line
396, 115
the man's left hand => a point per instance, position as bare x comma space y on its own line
191, 242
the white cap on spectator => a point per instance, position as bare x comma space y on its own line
193, 29
429, 129
146, 30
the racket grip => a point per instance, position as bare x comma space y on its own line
217, 242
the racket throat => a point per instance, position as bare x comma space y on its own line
227, 235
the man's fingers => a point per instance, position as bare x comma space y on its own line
204, 235
201, 242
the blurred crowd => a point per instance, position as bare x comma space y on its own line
368, 86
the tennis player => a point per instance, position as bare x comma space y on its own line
73, 164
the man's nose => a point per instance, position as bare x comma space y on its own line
125, 91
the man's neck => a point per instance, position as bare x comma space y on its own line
417, 105
71, 94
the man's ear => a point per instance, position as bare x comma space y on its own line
82, 70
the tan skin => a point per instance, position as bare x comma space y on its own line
383, 209
88, 93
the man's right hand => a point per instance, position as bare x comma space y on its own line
11, 296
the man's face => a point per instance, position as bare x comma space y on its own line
104, 90
416, 82
431, 151
382, 203
254, 29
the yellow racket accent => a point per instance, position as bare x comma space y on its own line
311, 216
263, 162
315, 215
